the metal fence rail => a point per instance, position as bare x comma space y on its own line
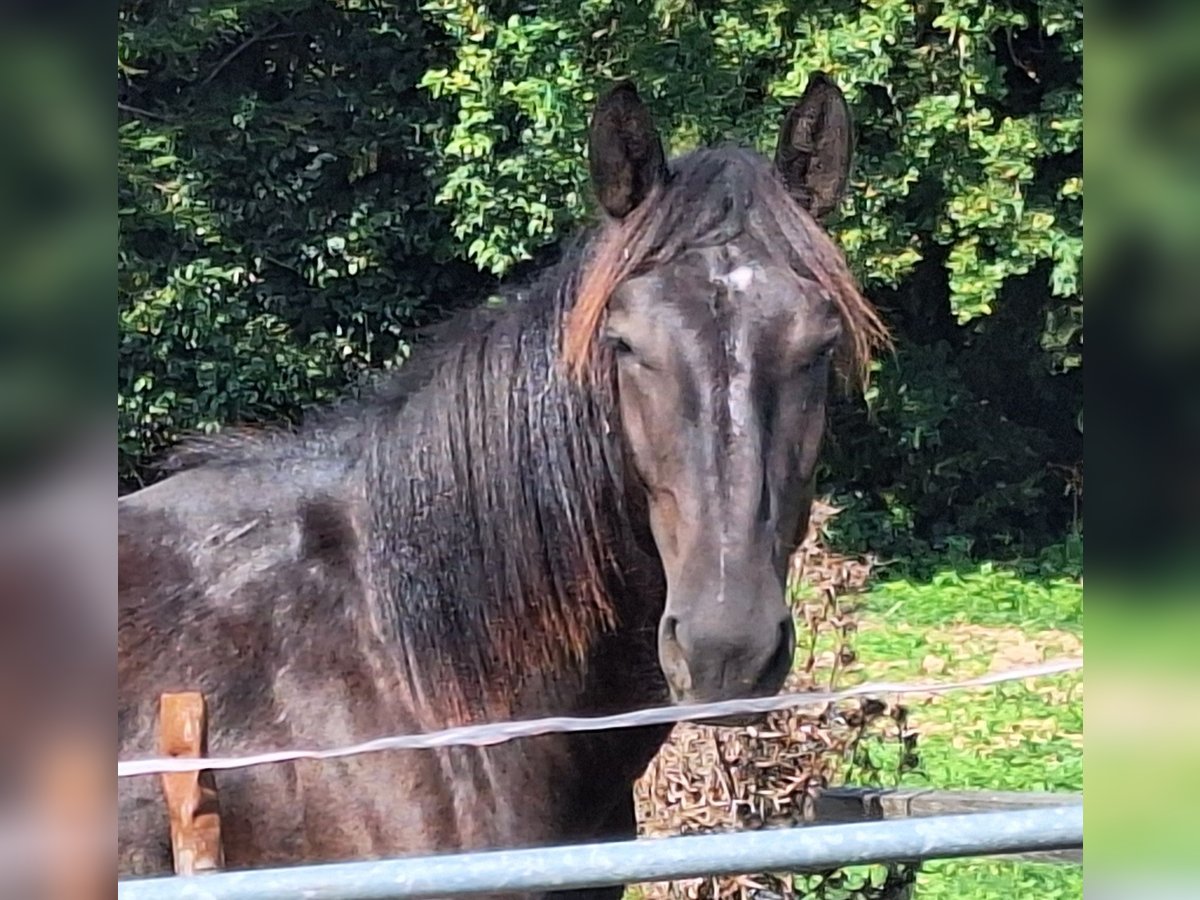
631, 862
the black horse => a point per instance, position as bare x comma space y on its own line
577, 503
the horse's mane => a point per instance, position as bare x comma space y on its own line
492, 471
493, 487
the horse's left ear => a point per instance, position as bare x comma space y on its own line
816, 144
625, 153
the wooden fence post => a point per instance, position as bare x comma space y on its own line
191, 796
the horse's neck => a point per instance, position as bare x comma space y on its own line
435, 501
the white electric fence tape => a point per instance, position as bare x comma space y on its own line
500, 732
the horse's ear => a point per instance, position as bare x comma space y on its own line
816, 143
625, 154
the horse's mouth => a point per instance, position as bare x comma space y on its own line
736, 720
744, 720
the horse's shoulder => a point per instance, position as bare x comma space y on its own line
234, 522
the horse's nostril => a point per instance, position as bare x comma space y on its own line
782, 658
673, 658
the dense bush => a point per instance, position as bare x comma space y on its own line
303, 183
278, 229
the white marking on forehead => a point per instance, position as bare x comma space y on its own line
740, 278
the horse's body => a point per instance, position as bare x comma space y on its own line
505, 536
256, 596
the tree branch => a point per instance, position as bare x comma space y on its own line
138, 111
237, 51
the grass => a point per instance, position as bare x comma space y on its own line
1017, 736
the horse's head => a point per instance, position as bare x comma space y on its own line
722, 312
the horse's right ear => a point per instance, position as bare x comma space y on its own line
625, 153
816, 143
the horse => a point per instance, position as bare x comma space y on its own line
579, 501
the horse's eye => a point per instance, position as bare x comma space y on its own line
623, 349
815, 362
619, 345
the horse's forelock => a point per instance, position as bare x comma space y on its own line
670, 218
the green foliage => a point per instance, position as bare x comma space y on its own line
948, 106
302, 183
278, 230
989, 595
961, 446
